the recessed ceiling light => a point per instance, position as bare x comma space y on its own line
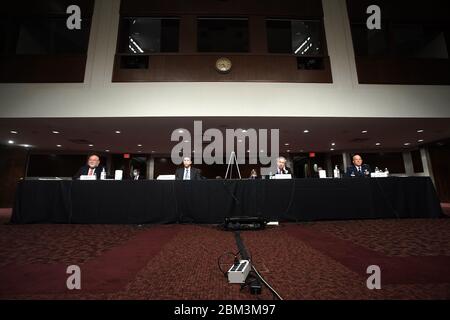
55, 132
139, 145
420, 140
248, 151
288, 150
261, 150
239, 140
420, 130
14, 132
58, 145
180, 131
378, 144
406, 143
139, 151
10, 142
186, 141
333, 144
91, 145
244, 131
286, 144
306, 131
107, 150
364, 131
332, 149
26, 145
118, 132
153, 151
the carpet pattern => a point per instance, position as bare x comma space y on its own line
28, 244
415, 237
321, 260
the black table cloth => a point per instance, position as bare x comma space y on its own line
210, 201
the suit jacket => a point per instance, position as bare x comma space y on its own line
195, 174
84, 170
285, 171
356, 174
140, 177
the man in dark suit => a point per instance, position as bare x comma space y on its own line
358, 169
281, 166
92, 167
136, 175
187, 172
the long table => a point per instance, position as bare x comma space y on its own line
210, 201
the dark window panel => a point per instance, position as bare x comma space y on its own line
400, 40
302, 38
279, 36
34, 37
170, 29
222, 35
149, 35
306, 38
51, 36
419, 41
70, 41
369, 42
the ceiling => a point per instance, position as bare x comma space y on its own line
77, 134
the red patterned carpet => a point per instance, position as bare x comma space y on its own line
322, 260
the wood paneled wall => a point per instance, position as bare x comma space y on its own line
256, 65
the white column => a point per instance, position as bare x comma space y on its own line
339, 43
426, 163
329, 166
102, 43
346, 160
407, 161
151, 168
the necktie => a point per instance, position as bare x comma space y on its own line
91, 171
186, 174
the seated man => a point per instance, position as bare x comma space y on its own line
91, 168
136, 175
281, 166
187, 172
358, 169
253, 175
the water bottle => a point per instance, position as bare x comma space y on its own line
103, 175
386, 171
377, 170
336, 172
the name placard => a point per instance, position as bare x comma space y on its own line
282, 176
86, 177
